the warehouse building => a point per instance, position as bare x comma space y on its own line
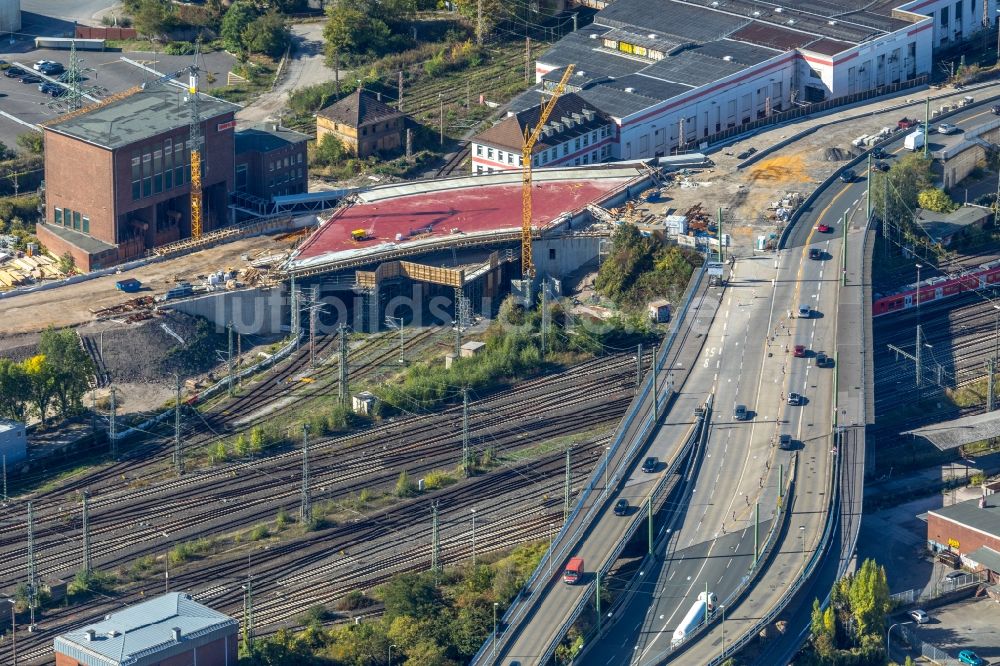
13, 441
970, 530
170, 629
117, 175
673, 74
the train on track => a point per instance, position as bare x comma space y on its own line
935, 288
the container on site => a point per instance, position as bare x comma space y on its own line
573, 571
130, 285
914, 140
695, 616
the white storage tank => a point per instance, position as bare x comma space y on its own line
10, 15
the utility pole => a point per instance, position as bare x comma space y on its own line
649, 525
918, 356
479, 22
344, 388
5, 478
295, 313
178, 462
441, 118
399, 92
248, 615
86, 533
305, 508
990, 395
435, 539
312, 326
869, 189
597, 599
473, 537
927, 122
545, 284
843, 253
638, 368
32, 583
112, 427
567, 483
756, 531
465, 432
229, 364
527, 59
239, 359
721, 251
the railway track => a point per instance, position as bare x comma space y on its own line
455, 162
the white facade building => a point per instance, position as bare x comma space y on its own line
13, 441
670, 72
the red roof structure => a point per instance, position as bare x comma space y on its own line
474, 208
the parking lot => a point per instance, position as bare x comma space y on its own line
105, 74
973, 624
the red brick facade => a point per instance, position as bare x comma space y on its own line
960, 539
134, 197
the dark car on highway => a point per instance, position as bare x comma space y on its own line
815, 253
995, 109
847, 175
785, 442
650, 464
823, 361
880, 154
621, 507
880, 166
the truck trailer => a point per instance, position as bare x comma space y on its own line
703, 605
914, 140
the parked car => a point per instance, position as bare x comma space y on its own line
947, 128
52, 69
740, 413
42, 63
794, 399
919, 616
799, 351
51, 89
823, 361
13, 72
785, 442
621, 507
805, 311
650, 464
814, 253
971, 658
848, 175
30, 78
952, 575
824, 228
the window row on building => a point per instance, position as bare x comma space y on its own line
594, 157
287, 162
160, 168
291, 174
72, 219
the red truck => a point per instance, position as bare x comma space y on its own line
907, 123
573, 571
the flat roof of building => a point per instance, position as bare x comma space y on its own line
265, 137
471, 204
139, 116
969, 514
7, 425
138, 632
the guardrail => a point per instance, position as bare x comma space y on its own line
655, 495
811, 199
564, 541
807, 572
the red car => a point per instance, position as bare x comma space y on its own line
800, 351
824, 228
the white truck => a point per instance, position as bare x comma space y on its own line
914, 140
695, 616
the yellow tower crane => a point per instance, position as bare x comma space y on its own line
530, 139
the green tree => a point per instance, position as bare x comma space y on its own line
404, 487
152, 18
219, 453
935, 199
71, 367
15, 389
242, 447
266, 34
32, 142
329, 151
413, 595
869, 598
42, 380
894, 193
238, 18
256, 440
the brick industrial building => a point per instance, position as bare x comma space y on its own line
271, 161
166, 631
970, 530
117, 175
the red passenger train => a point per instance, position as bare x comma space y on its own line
938, 287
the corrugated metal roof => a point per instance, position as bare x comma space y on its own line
686, 22
958, 432
968, 513
773, 36
142, 633
828, 47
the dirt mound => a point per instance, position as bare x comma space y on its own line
153, 350
836, 154
781, 169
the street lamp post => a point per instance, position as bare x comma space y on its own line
13, 631
802, 547
495, 604
723, 609
550, 549
390, 653
607, 460
889, 633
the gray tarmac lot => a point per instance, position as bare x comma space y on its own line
106, 74
973, 624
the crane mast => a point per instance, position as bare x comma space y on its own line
194, 134
530, 139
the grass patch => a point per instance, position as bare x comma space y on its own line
969, 395
437, 479
555, 444
259, 74
191, 550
